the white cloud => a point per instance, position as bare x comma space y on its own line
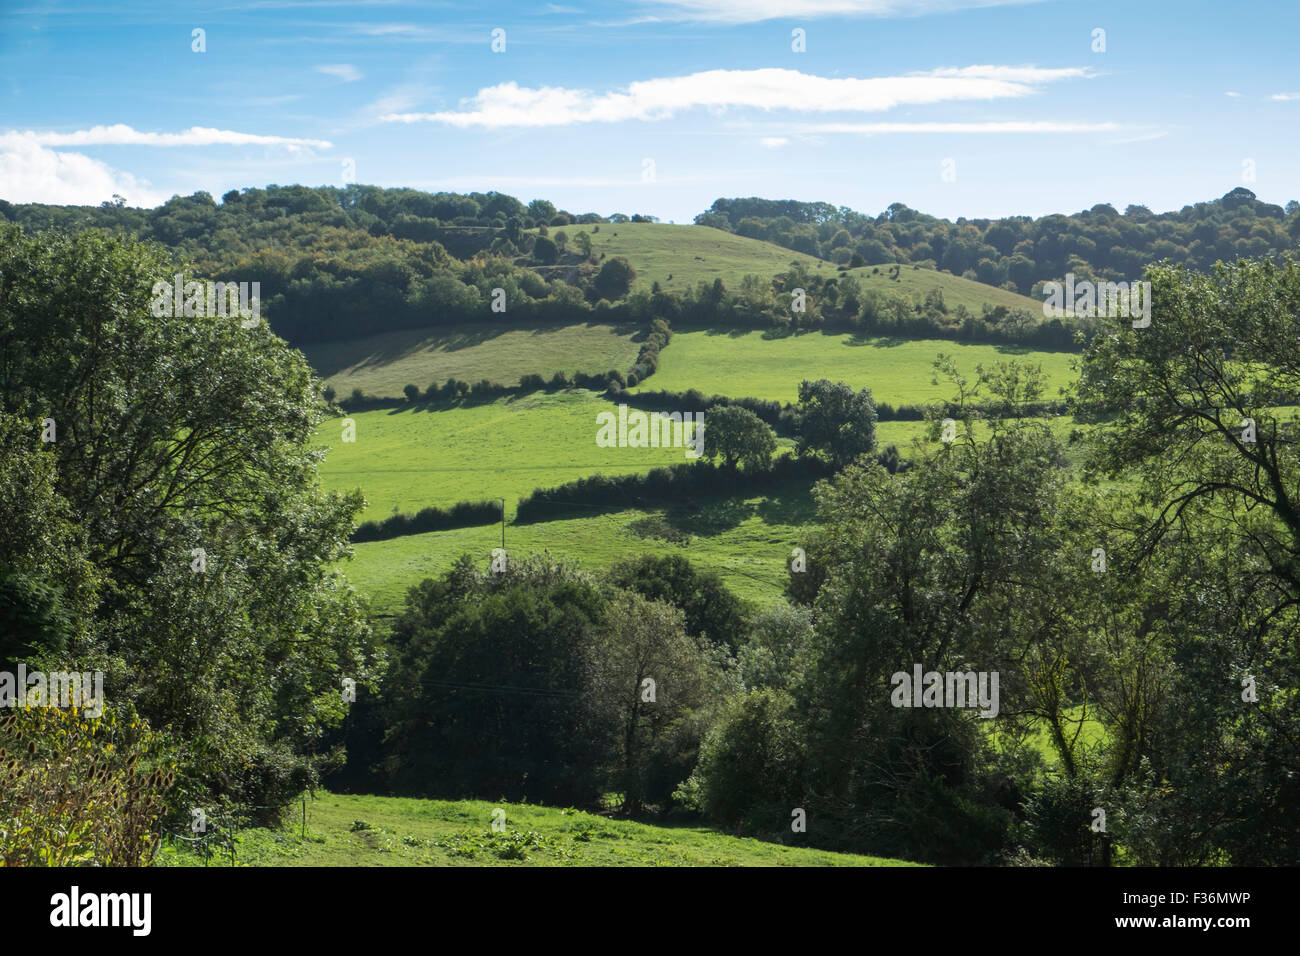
1233, 93
30, 172
1285, 97
343, 71
508, 104
1014, 126
751, 11
120, 134
774, 142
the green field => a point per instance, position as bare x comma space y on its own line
747, 363
746, 539
347, 830
679, 257
408, 458
956, 290
383, 364
411, 458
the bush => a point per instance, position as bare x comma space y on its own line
76, 791
463, 514
749, 762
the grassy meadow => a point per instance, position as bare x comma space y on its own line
383, 364
349, 830
680, 256
749, 363
410, 457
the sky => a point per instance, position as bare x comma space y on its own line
976, 108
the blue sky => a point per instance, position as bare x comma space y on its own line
955, 107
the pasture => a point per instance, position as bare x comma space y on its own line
352, 830
749, 363
383, 364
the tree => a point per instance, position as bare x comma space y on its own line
738, 436
541, 210
615, 278
545, 251
48, 590
185, 449
649, 675
712, 612
1199, 413
492, 691
583, 243
562, 241
412, 393
835, 421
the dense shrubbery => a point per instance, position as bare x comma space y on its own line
80, 791
658, 486
463, 514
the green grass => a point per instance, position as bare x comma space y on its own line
956, 290
384, 364
347, 830
679, 257
747, 363
746, 539
409, 458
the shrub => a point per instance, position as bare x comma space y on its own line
78, 791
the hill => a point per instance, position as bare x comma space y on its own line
383, 364
679, 257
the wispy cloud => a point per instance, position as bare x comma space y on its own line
752, 11
1013, 126
508, 104
343, 71
774, 142
119, 134
1285, 97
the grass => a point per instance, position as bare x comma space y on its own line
411, 457
747, 363
679, 257
384, 364
746, 539
956, 290
348, 830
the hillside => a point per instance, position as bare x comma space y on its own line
679, 257
746, 363
383, 364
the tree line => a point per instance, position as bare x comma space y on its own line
1020, 252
